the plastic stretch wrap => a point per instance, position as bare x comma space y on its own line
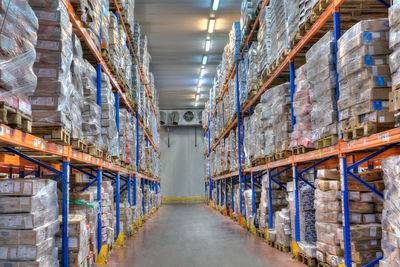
394, 44
17, 47
282, 227
278, 14
302, 132
391, 212
264, 40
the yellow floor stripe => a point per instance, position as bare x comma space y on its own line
176, 200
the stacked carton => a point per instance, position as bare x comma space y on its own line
364, 77
298, 13
248, 15
125, 217
390, 213
17, 51
282, 232
278, 19
302, 130
328, 217
78, 240
107, 212
275, 117
264, 41
28, 222
248, 202
321, 75
394, 58
53, 62
365, 218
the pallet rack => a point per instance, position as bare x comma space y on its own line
30, 155
345, 155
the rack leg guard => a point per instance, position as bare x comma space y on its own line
103, 255
120, 239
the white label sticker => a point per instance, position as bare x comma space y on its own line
1, 130
372, 232
8, 130
379, 62
376, 35
381, 118
6, 187
28, 222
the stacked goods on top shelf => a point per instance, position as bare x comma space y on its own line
328, 217
364, 79
277, 14
390, 214
302, 130
252, 74
365, 217
254, 139
53, 62
19, 36
127, 136
394, 59
264, 41
321, 75
248, 15
28, 222
298, 13
308, 235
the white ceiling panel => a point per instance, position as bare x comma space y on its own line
176, 32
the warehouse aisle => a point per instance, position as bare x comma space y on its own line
195, 235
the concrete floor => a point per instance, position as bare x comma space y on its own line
195, 236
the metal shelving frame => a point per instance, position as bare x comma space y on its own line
34, 154
356, 152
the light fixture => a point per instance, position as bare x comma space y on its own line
198, 90
208, 45
202, 70
204, 61
195, 104
215, 5
211, 25
200, 82
197, 98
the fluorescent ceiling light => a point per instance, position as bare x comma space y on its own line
195, 104
204, 61
215, 5
211, 25
200, 82
197, 97
198, 90
208, 45
202, 72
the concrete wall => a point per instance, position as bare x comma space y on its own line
182, 168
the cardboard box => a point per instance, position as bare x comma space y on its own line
27, 252
21, 187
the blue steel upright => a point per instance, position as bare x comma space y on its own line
129, 190
297, 204
253, 201
270, 214
238, 139
292, 91
65, 194
99, 233
209, 154
117, 211
346, 213
143, 208
232, 200
226, 195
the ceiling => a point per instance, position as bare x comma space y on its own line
176, 32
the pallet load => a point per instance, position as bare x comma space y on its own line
298, 13
390, 214
278, 198
109, 131
107, 213
126, 217
328, 219
253, 136
365, 210
86, 204
394, 59
19, 36
264, 41
308, 235
302, 130
364, 79
247, 16
78, 239
276, 119
278, 18
248, 203
282, 233
252, 74
28, 222
53, 62
242, 69
321, 75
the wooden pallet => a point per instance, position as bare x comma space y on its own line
15, 118
327, 141
310, 262
301, 150
107, 156
323, 264
56, 134
364, 129
270, 242
260, 233
283, 154
79, 144
282, 248
95, 151
277, 61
